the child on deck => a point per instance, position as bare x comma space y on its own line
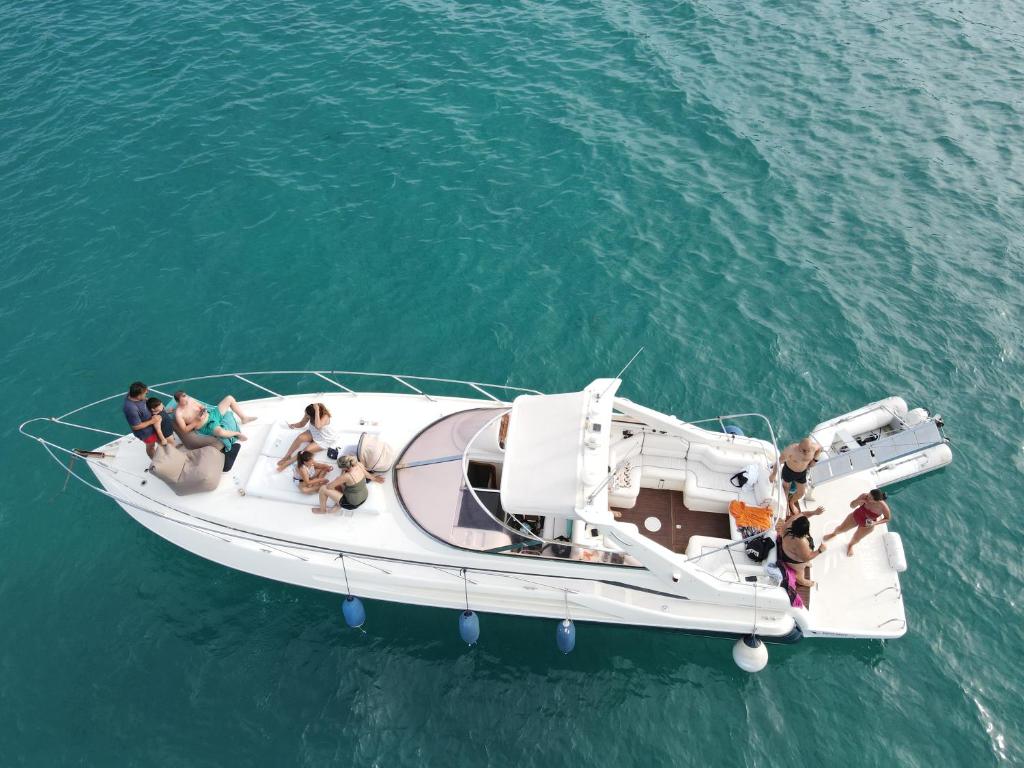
156, 407
309, 474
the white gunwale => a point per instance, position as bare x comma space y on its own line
700, 590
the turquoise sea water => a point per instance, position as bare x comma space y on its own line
797, 207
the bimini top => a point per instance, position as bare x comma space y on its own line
556, 452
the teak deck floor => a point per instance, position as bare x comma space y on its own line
678, 523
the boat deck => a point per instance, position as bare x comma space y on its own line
677, 522
856, 596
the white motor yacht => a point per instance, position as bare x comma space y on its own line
575, 507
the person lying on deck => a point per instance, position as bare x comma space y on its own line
319, 435
310, 475
348, 490
191, 415
871, 510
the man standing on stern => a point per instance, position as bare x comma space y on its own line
796, 459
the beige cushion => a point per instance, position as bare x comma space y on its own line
189, 471
202, 471
168, 462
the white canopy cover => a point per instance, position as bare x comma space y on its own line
556, 451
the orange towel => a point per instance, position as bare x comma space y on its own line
753, 517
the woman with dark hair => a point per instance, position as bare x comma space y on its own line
309, 475
796, 549
318, 434
871, 510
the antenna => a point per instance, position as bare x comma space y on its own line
634, 357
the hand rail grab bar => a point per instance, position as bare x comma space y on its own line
483, 391
258, 386
372, 374
335, 383
418, 391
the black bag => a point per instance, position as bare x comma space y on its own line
739, 479
759, 549
332, 454
230, 456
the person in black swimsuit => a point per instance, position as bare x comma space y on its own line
796, 459
796, 548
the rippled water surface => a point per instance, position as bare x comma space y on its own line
797, 207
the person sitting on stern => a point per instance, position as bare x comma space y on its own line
796, 548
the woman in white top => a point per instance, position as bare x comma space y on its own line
317, 436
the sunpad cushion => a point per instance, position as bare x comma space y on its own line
267, 483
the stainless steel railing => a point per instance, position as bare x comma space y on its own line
330, 377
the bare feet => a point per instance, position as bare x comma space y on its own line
240, 437
247, 419
828, 536
849, 551
319, 511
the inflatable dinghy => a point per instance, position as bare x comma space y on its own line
886, 437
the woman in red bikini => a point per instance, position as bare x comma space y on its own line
871, 510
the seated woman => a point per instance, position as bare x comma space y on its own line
796, 548
318, 435
310, 475
349, 490
871, 511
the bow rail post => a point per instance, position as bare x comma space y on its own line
418, 391
335, 383
258, 386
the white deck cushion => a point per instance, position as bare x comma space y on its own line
267, 483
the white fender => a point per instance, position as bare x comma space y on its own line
894, 551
